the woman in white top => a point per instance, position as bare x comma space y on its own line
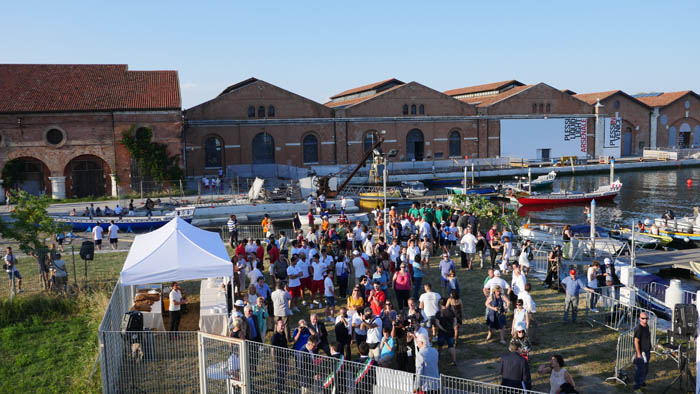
520, 315
558, 374
523, 259
592, 276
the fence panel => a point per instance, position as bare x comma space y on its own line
254, 231
608, 311
453, 385
625, 353
150, 362
220, 364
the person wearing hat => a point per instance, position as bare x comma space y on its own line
495, 281
521, 337
573, 287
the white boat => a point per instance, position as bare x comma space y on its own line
413, 188
244, 208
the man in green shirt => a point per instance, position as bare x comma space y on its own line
414, 212
439, 214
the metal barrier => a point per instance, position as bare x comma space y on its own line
254, 231
540, 262
658, 291
451, 384
615, 315
625, 355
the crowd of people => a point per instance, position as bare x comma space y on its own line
372, 293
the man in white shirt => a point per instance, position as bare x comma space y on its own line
592, 276
343, 203
97, 232
358, 234
412, 251
251, 247
468, 249
294, 276
303, 265
425, 231
531, 308
60, 274
394, 251
318, 269
113, 232
358, 266
429, 305
495, 281
174, 306
253, 276
373, 325
329, 293
118, 211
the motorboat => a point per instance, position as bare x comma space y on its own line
471, 191
642, 237
413, 188
374, 199
603, 193
684, 228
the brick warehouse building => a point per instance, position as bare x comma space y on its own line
675, 118
64, 123
259, 123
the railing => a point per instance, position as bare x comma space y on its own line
612, 313
451, 384
625, 355
657, 291
254, 231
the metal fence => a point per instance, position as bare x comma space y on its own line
625, 355
658, 291
454, 385
220, 364
254, 231
607, 310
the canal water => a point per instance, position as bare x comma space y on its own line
644, 195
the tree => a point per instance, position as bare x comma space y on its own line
13, 173
152, 157
487, 211
30, 224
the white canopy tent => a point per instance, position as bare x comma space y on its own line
177, 251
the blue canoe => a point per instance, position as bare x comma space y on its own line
126, 223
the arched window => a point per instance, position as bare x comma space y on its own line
413, 109
261, 111
414, 145
421, 109
263, 149
541, 108
455, 143
369, 140
213, 152
549, 108
271, 111
534, 108
251, 111
310, 145
405, 109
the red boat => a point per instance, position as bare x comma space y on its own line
603, 193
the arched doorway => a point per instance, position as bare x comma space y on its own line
627, 142
414, 145
29, 174
86, 176
684, 136
263, 149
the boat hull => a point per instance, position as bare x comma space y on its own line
479, 190
135, 224
562, 200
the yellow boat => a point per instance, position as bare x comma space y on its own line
663, 239
371, 200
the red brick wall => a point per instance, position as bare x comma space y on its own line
85, 134
635, 116
676, 116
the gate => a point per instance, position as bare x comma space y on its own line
220, 364
87, 177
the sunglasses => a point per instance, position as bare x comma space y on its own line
644, 318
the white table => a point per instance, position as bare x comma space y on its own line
213, 313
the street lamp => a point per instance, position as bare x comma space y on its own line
385, 175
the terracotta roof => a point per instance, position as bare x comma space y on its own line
591, 98
357, 100
663, 99
482, 88
363, 88
485, 101
568, 91
85, 87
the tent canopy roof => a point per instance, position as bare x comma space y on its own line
174, 252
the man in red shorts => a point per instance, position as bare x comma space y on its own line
318, 268
294, 275
303, 265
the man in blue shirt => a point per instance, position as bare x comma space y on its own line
573, 287
446, 265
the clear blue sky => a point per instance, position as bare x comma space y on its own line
317, 49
